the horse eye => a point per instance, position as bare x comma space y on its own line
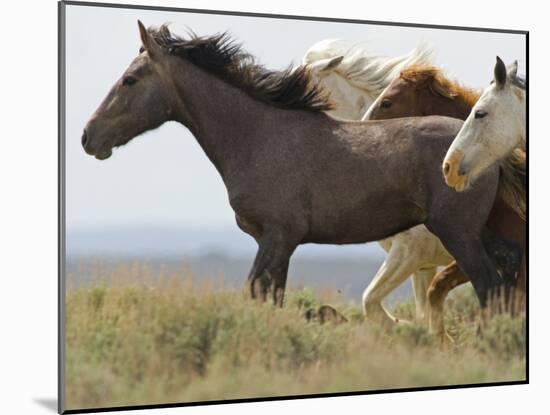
386, 103
129, 80
480, 114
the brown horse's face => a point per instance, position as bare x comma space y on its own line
136, 103
399, 99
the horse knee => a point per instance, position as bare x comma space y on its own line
371, 302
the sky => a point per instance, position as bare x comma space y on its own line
163, 178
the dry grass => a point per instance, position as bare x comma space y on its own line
131, 344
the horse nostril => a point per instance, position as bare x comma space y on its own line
446, 168
84, 138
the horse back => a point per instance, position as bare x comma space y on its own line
379, 177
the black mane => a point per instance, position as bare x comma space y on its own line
224, 58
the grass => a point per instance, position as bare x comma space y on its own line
132, 344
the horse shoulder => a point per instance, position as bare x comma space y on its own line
439, 125
433, 135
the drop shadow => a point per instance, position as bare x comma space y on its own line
48, 403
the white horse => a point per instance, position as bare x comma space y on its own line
355, 79
494, 128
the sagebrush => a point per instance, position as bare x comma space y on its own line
132, 344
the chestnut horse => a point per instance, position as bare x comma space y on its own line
424, 90
354, 76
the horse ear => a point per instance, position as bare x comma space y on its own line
500, 72
149, 44
334, 62
327, 64
512, 69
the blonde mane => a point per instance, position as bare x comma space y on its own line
429, 76
363, 69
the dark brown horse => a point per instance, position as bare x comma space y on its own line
424, 90
293, 174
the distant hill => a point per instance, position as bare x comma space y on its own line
170, 242
214, 255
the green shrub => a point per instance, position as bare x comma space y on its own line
131, 344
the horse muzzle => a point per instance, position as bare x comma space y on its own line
101, 153
87, 143
454, 171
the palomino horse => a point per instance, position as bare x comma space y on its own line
424, 90
293, 174
355, 78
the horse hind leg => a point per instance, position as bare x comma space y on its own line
458, 220
421, 280
474, 261
501, 254
489, 262
445, 280
506, 256
397, 267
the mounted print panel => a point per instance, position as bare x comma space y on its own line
258, 207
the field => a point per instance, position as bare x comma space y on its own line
176, 340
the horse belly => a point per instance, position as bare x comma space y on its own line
363, 223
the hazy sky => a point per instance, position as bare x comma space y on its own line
163, 178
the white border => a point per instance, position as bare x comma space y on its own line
29, 203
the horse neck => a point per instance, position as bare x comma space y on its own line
351, 101
513, 177
216, 112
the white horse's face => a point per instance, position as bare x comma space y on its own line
350, 101
494, 128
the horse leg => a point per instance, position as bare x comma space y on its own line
270, 268
395, 269
472, 258
421, 281
505, 254
447, 279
